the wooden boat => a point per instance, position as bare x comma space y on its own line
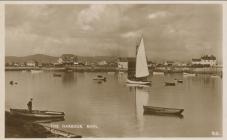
57, 75
179, 81
36, 114
138, 82
138, 85
162, 110
36, 71
189, 74
100, 78
158, 73
141, 67
214, 76
170, 83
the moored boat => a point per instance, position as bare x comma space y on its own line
158, 73
37, 114
162, 110
214, 76
170, 83
189, 74
179, 81
138, 82
36, 71
100, 78
140, 71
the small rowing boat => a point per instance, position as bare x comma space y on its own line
158, 73
162, 110
100, 78
189, 74
36, 114
179, 81
170, 84
36, 71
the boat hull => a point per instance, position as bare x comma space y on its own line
138, 82
162, 110
36, 71
57, 75
189, 74
100, 79
169, 84
158, 73
36, 114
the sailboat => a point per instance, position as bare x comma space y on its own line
141, 67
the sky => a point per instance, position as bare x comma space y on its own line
170, 32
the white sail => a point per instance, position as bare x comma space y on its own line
141, 61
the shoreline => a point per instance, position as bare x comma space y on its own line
19, 128
205, 70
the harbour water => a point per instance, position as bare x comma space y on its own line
113, 109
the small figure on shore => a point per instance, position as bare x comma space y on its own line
29, 104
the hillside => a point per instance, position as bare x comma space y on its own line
37, 57
41, 58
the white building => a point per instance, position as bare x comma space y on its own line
196, 61
205, 60
60, 61
122, 65
30, 64
101, 63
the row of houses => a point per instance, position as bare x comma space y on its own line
207, 60
120, 63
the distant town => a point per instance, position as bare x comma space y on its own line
204, 64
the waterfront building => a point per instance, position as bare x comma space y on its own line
169, 63
122, 65
30, 63
208, 60
205, 60
196, 61
102, 63
67, 59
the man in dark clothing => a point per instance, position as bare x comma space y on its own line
29, 104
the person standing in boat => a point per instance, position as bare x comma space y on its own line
29, 104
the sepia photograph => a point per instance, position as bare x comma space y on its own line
113, 70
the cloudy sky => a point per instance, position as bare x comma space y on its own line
173, 32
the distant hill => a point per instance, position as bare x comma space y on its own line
96, 58
41, 58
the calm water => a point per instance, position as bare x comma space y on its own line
116, 109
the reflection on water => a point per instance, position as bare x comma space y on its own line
68, 78
117, 109
141, 98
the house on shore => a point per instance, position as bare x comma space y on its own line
67, 59
31, 63
122, 64
205, 60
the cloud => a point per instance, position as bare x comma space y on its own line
131, 34
112, 29
161, 14
90, 15
99, 18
